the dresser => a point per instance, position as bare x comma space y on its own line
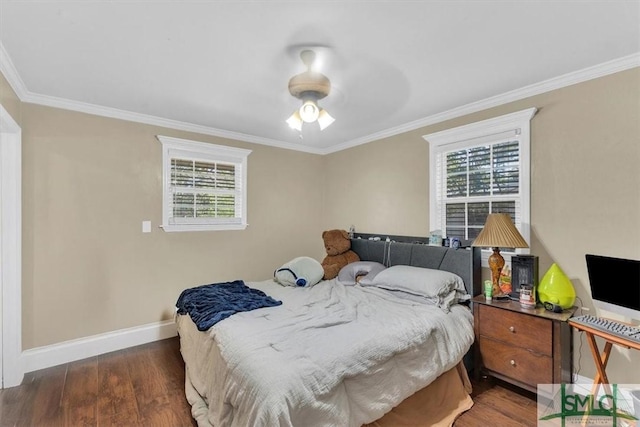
523, 346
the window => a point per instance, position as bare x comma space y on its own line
204, 186
478, 169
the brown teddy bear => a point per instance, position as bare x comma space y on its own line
339, 253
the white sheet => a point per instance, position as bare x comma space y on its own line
330, 355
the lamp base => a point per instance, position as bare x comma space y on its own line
496, 262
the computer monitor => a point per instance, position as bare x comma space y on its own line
615, 284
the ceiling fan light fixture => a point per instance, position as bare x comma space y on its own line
309, 87
295, 122
309, 111
324, 119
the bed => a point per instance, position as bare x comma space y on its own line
337, 355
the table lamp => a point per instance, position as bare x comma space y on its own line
499, 232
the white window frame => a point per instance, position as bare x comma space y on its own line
471, 135
200, 151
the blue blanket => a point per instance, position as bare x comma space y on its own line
209, 304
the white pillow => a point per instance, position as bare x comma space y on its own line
301, 271
366, 270
437, 286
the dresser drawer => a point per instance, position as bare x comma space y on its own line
517, 329
516, 362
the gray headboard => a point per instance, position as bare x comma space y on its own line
406, 250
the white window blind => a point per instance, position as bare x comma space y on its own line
204, 192
479, 169
477, 181
204, 186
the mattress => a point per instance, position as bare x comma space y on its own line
329, 355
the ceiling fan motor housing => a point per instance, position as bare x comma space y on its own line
309, 83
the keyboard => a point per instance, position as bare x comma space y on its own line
628, 332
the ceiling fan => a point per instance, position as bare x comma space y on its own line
309, 87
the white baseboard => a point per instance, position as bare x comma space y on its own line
68, 351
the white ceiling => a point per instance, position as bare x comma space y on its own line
222, 67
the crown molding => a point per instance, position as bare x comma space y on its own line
590, 73
600, 70
16, 83
11, 74
115, 113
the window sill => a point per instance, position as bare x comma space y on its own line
171, 228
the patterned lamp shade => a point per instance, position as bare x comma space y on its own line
499, 232
555, 287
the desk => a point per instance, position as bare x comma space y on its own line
599, 359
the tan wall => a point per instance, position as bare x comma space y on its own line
585, 188
9, 99
89, 182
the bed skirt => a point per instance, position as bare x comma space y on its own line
438, 404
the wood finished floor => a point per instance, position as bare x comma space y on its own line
144, 386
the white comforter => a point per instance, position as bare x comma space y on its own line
330, 355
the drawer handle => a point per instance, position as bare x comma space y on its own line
512, 329
513, 362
